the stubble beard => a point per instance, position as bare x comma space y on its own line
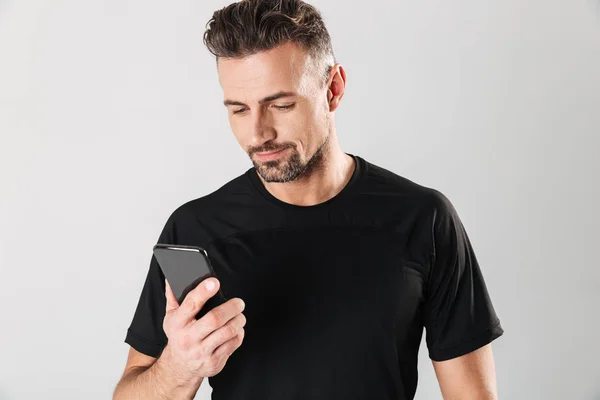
291, 167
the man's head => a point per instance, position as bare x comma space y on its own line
280, 81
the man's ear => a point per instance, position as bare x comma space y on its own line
336, 86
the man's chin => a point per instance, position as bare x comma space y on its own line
270, 174
281, 170
275, 174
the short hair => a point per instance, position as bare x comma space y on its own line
251, 26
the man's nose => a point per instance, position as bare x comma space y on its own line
261, 129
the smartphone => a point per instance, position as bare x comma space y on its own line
185, 267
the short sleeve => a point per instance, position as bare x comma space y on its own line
146, 334
458, 315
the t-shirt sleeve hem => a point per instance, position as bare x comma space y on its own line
142, 345
476, 342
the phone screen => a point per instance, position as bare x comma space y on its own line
185, 267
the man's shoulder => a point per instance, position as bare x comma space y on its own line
381, 181
397, 195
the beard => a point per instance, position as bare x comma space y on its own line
289, 167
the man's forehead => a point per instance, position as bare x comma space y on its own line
248, 75
285, 68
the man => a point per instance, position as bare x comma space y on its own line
333, 265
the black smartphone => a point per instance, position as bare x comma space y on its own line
185, 267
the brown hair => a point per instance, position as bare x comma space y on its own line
251, 26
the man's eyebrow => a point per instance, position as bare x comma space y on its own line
267, 99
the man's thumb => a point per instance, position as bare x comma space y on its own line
172, 303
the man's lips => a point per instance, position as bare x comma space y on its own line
270, 155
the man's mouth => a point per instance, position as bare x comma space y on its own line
270, 155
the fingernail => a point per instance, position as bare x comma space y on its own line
210, 285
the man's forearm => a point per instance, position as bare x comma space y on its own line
153, 383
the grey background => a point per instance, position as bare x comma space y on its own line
111, 116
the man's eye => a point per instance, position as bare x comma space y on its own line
240, 111
284, 107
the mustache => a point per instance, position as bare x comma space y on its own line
270, 147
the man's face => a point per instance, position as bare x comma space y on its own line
278, 110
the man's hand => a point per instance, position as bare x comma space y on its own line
200, 348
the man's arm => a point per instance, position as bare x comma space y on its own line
468, 377
146, 378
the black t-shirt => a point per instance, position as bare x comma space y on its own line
337, 294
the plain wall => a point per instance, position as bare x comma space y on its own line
111, 116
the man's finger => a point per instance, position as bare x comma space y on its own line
195, 300
171, 300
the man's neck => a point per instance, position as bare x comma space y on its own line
324, 183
